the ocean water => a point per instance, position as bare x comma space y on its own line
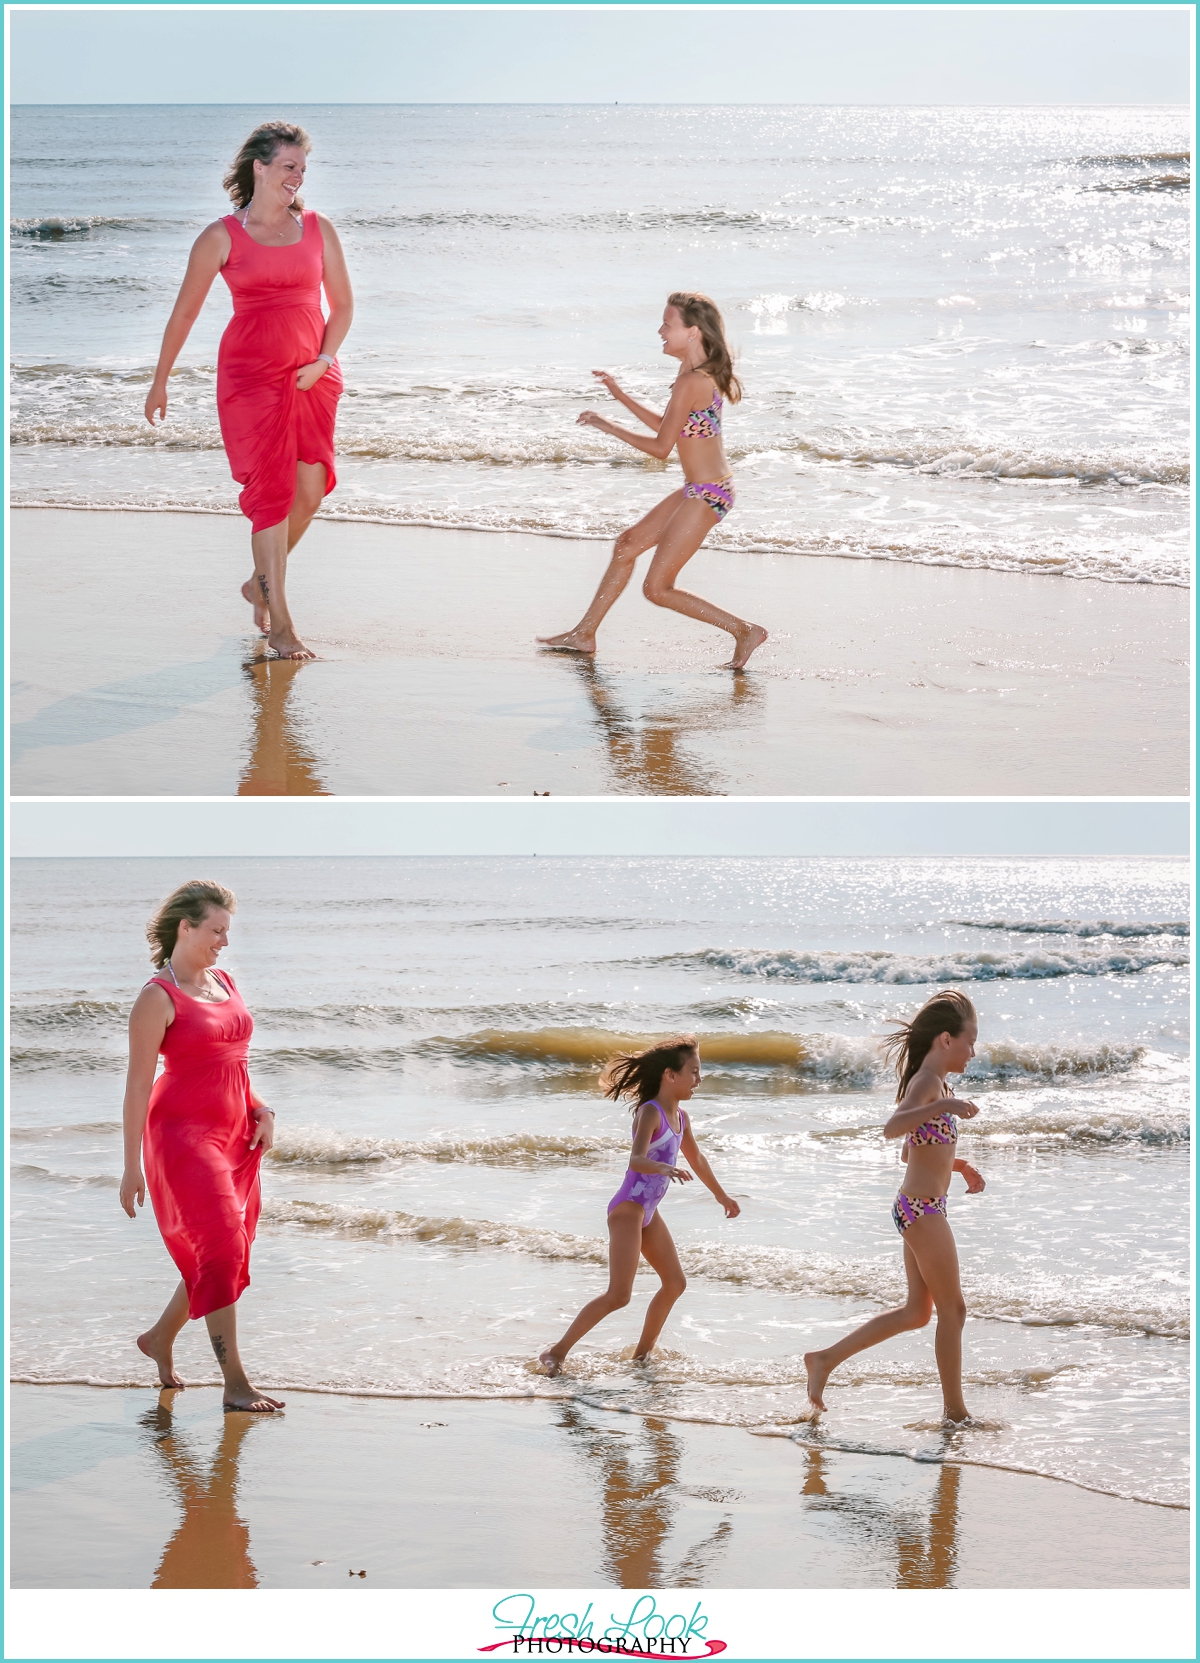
429, 1032
964, 333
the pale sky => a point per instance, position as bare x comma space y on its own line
288, 56
333, 826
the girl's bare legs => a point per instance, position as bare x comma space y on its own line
258, 590
640, 537
659, 1248
931, 1266
158, 1342
682, 536
624, 1250
239, 1393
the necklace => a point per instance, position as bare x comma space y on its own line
207, 995
281, 233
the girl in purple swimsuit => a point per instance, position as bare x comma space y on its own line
659, 1081
939, 1040
693, 332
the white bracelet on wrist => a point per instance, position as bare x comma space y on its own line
326, 357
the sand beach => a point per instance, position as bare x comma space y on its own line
132, 1488
136, 670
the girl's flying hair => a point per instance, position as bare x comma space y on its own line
638, 1074
945, 1013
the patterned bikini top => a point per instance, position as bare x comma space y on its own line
941, 1129
704, 424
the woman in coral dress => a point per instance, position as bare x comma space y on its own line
200, 1128
278, 382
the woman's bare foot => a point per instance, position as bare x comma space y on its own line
574, 640
746, 641
246, 1400
284, 644
550, 1362
958, 1417
151, 1346
818, 1373
262, 612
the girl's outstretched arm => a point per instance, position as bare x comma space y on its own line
904, 1119
669, 426
643, 412
691, 1153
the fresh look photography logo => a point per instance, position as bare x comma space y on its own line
646, 1631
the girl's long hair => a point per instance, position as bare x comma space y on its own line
638, 1074
699, 312
261, 146
192, 901
946, 1012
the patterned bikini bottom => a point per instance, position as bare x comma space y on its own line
718, 495
906, 1209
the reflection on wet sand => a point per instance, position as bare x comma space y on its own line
211, 1548
923, 1559
280, 763
646, 754
638, 1471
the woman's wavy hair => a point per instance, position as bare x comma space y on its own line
699, 312
638, 1074
946, 1012
261, 146
192, 901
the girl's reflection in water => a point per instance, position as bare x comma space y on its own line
281, 763
639, 1471
211, 1548
922, 1560
646, 754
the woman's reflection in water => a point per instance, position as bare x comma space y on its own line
921, 1562
646, 755
639, 1472
211, 1548
281, 763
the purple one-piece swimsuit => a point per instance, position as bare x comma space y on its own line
650, 1187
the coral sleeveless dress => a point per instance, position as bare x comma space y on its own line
277, 327
201, 1172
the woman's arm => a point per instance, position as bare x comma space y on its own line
264, 1122
698, 1164
669, 427
643, 1133
643, 412
340, 296
209, 253
148, 1021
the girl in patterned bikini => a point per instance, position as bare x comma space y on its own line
940, 1040
659, 1081
693, 332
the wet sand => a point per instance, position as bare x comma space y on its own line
136, 671
130, 1488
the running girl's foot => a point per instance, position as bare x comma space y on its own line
262, 612
151, 1346
550, 1362
746, 641
818, 1373
245, 1399
959, 1415
575, 640
284, 644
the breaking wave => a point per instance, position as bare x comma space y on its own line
1075, 927
317, 1146
904, 969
